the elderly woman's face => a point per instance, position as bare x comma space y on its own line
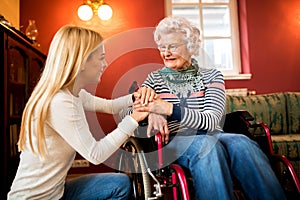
174, 52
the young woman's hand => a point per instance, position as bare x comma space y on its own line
139, 116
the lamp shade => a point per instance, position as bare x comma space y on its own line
85, 12
105, 12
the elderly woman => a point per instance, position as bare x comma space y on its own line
188, 114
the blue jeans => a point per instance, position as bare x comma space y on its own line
214, 159
98, 186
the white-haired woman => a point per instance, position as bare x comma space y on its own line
189, 112
54, 126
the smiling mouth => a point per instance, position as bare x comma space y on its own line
170, 59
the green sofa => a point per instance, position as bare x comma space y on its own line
281, 113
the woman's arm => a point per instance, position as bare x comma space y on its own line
110, 106
114, 106
67, 118
206, 120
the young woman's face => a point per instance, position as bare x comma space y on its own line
174, 52
95, 65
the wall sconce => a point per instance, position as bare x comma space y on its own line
98, 7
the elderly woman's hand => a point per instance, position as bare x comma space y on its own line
145, 95
157, 123
157, 106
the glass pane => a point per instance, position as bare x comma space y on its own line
219, 51
185, 1
203, 1
215, 1
189, 12
216, 21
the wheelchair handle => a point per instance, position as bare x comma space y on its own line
159, 149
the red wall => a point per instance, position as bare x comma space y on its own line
51, 15
273, 33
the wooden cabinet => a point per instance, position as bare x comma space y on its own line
20, 65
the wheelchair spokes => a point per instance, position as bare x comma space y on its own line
131, 162
164, 183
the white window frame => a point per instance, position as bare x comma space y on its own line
236, 72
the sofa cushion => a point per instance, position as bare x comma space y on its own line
293, 112
267, 108
289, 146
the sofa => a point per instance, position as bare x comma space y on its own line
281, 113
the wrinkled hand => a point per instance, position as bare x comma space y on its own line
157, 106
145, 95
157, 123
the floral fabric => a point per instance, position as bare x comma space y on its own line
293, 112
267, 108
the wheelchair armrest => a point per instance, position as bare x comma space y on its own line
241, 113
241, 121
238, 122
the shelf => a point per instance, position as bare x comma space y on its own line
17, 85
15, 119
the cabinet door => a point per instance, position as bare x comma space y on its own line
17, 61
17, 67
34, 72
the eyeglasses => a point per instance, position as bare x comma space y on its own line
172, 48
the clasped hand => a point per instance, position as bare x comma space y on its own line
146, 101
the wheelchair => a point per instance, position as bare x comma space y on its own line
142, 159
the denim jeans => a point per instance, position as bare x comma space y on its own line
98, 186
214, 159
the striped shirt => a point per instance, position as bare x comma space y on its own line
200, 107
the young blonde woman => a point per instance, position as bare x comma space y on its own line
54, 126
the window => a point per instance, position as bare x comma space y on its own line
218, 21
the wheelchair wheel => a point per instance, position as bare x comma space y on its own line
130, 161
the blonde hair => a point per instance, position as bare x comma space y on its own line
175, 24
69, 49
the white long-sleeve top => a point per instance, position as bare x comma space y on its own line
67, 132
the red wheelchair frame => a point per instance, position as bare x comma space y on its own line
172, 180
